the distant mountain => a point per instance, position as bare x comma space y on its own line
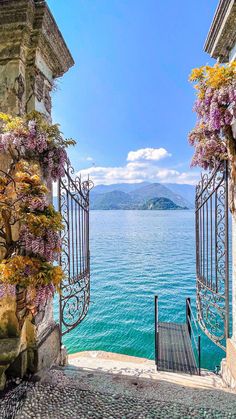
110, 201
186, 191
123, 187
157, 190
183, 190
161, 204
135, 196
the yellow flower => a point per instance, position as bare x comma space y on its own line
27, 271
5, 117
213, 77
197, 74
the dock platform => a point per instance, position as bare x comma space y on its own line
174, 345
174, 349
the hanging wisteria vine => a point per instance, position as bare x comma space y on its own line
29, 225
215, 106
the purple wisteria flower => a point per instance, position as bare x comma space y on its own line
43, 294
54, 163
30, 143
34, 203
7, 290
38, 297
47, 245
5, 140
215, 111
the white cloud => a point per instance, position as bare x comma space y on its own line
148, 154
55, 189
135, 172
142, 165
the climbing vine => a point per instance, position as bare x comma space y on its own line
215, 106
29, 225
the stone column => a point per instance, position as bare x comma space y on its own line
228, 365
234, 262
221, 45
32, 55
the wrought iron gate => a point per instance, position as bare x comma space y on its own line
73, 196
212, 255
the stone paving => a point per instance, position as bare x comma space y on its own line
46, 401
71, 392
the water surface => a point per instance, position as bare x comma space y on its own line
135, 255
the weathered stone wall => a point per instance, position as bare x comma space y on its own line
32, 55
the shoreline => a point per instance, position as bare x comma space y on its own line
97, 362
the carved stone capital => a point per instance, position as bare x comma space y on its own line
221, 38
32, 54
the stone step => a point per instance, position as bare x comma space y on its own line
107, 362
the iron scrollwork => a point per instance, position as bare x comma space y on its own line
75, 256
212, 254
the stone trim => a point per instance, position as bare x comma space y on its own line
33, 54
222, 35
29, 25
50, 41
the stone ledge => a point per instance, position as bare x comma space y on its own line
51, 41
110, 356
9, 349
124, 365
222, 35
30, 24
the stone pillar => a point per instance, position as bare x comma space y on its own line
221, 45
32, 55
234, 259
228, 365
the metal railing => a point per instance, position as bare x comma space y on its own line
190, 321
156, 330
212, 254
73, 203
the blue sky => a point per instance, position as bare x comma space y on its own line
129, 90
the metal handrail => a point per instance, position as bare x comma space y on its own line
156, 330
190, 320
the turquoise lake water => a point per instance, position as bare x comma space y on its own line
135, 255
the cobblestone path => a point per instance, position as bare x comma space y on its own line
69, 393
